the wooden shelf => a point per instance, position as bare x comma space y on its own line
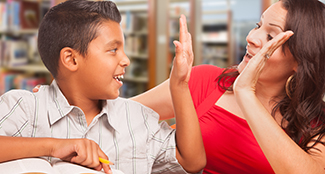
136, 33
137, 55
136, 79
22, 31
29, 68
133, 2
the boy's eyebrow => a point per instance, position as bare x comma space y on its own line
113, 42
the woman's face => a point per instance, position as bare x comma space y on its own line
279, 66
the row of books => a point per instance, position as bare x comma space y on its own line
13, 53
14, 80
132, 22
16, 15
136, 44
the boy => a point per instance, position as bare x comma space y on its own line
79, 117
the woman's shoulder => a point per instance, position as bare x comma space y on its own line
203, 81
205, 74
207, 70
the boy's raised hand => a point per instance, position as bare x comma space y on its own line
183, 60
80, 151
189, 144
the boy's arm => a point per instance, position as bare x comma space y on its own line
81, 151
190, 150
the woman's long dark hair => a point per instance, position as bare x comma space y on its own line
304, 110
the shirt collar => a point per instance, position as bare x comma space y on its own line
59, 106
110, 111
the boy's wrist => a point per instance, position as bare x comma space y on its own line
49, 145
175, 84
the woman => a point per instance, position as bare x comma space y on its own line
271, 117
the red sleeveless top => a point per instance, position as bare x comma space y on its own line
230, 145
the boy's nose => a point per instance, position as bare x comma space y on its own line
125, 61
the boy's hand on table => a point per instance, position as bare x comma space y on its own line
80, 151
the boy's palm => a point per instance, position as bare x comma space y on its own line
183, 60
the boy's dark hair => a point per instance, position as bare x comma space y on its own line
73, 24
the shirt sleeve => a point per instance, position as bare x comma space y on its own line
15, 113
161, 145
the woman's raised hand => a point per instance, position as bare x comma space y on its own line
247, 79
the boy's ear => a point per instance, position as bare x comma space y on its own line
68, 58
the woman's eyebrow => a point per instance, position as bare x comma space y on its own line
275, 25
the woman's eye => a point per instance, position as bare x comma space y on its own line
257, 26
269, 37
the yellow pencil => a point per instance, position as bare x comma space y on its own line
105, 161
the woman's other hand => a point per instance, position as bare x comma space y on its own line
248, 78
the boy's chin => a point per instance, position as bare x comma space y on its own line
112, 97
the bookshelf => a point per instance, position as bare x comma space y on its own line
20, 63
176, 9
167, 12
216, 36
135, 27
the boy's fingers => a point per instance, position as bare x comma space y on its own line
183, 29
184, 23
107, 169
178, 47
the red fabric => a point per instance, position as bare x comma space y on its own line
229, 143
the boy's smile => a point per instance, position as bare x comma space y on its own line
103, 67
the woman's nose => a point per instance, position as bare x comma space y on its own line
254, 38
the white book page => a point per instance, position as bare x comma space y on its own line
42, 166
27, 166
69, 168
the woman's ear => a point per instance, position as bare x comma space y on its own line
68, 58
295, 67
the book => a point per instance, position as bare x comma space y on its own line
42, 166
29, 14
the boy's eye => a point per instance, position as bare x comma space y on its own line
113, 50
269, 37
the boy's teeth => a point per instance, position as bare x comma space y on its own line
119, 78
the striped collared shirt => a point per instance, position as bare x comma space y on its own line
128, 132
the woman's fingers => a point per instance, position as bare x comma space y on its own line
257, 63
36, 88
269, 48
249, 76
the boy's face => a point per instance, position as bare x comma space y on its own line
104, 62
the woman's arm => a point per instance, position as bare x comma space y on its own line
158, 99
283, 154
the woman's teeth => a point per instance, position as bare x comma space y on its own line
249, 55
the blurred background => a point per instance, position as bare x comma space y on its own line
218, 28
